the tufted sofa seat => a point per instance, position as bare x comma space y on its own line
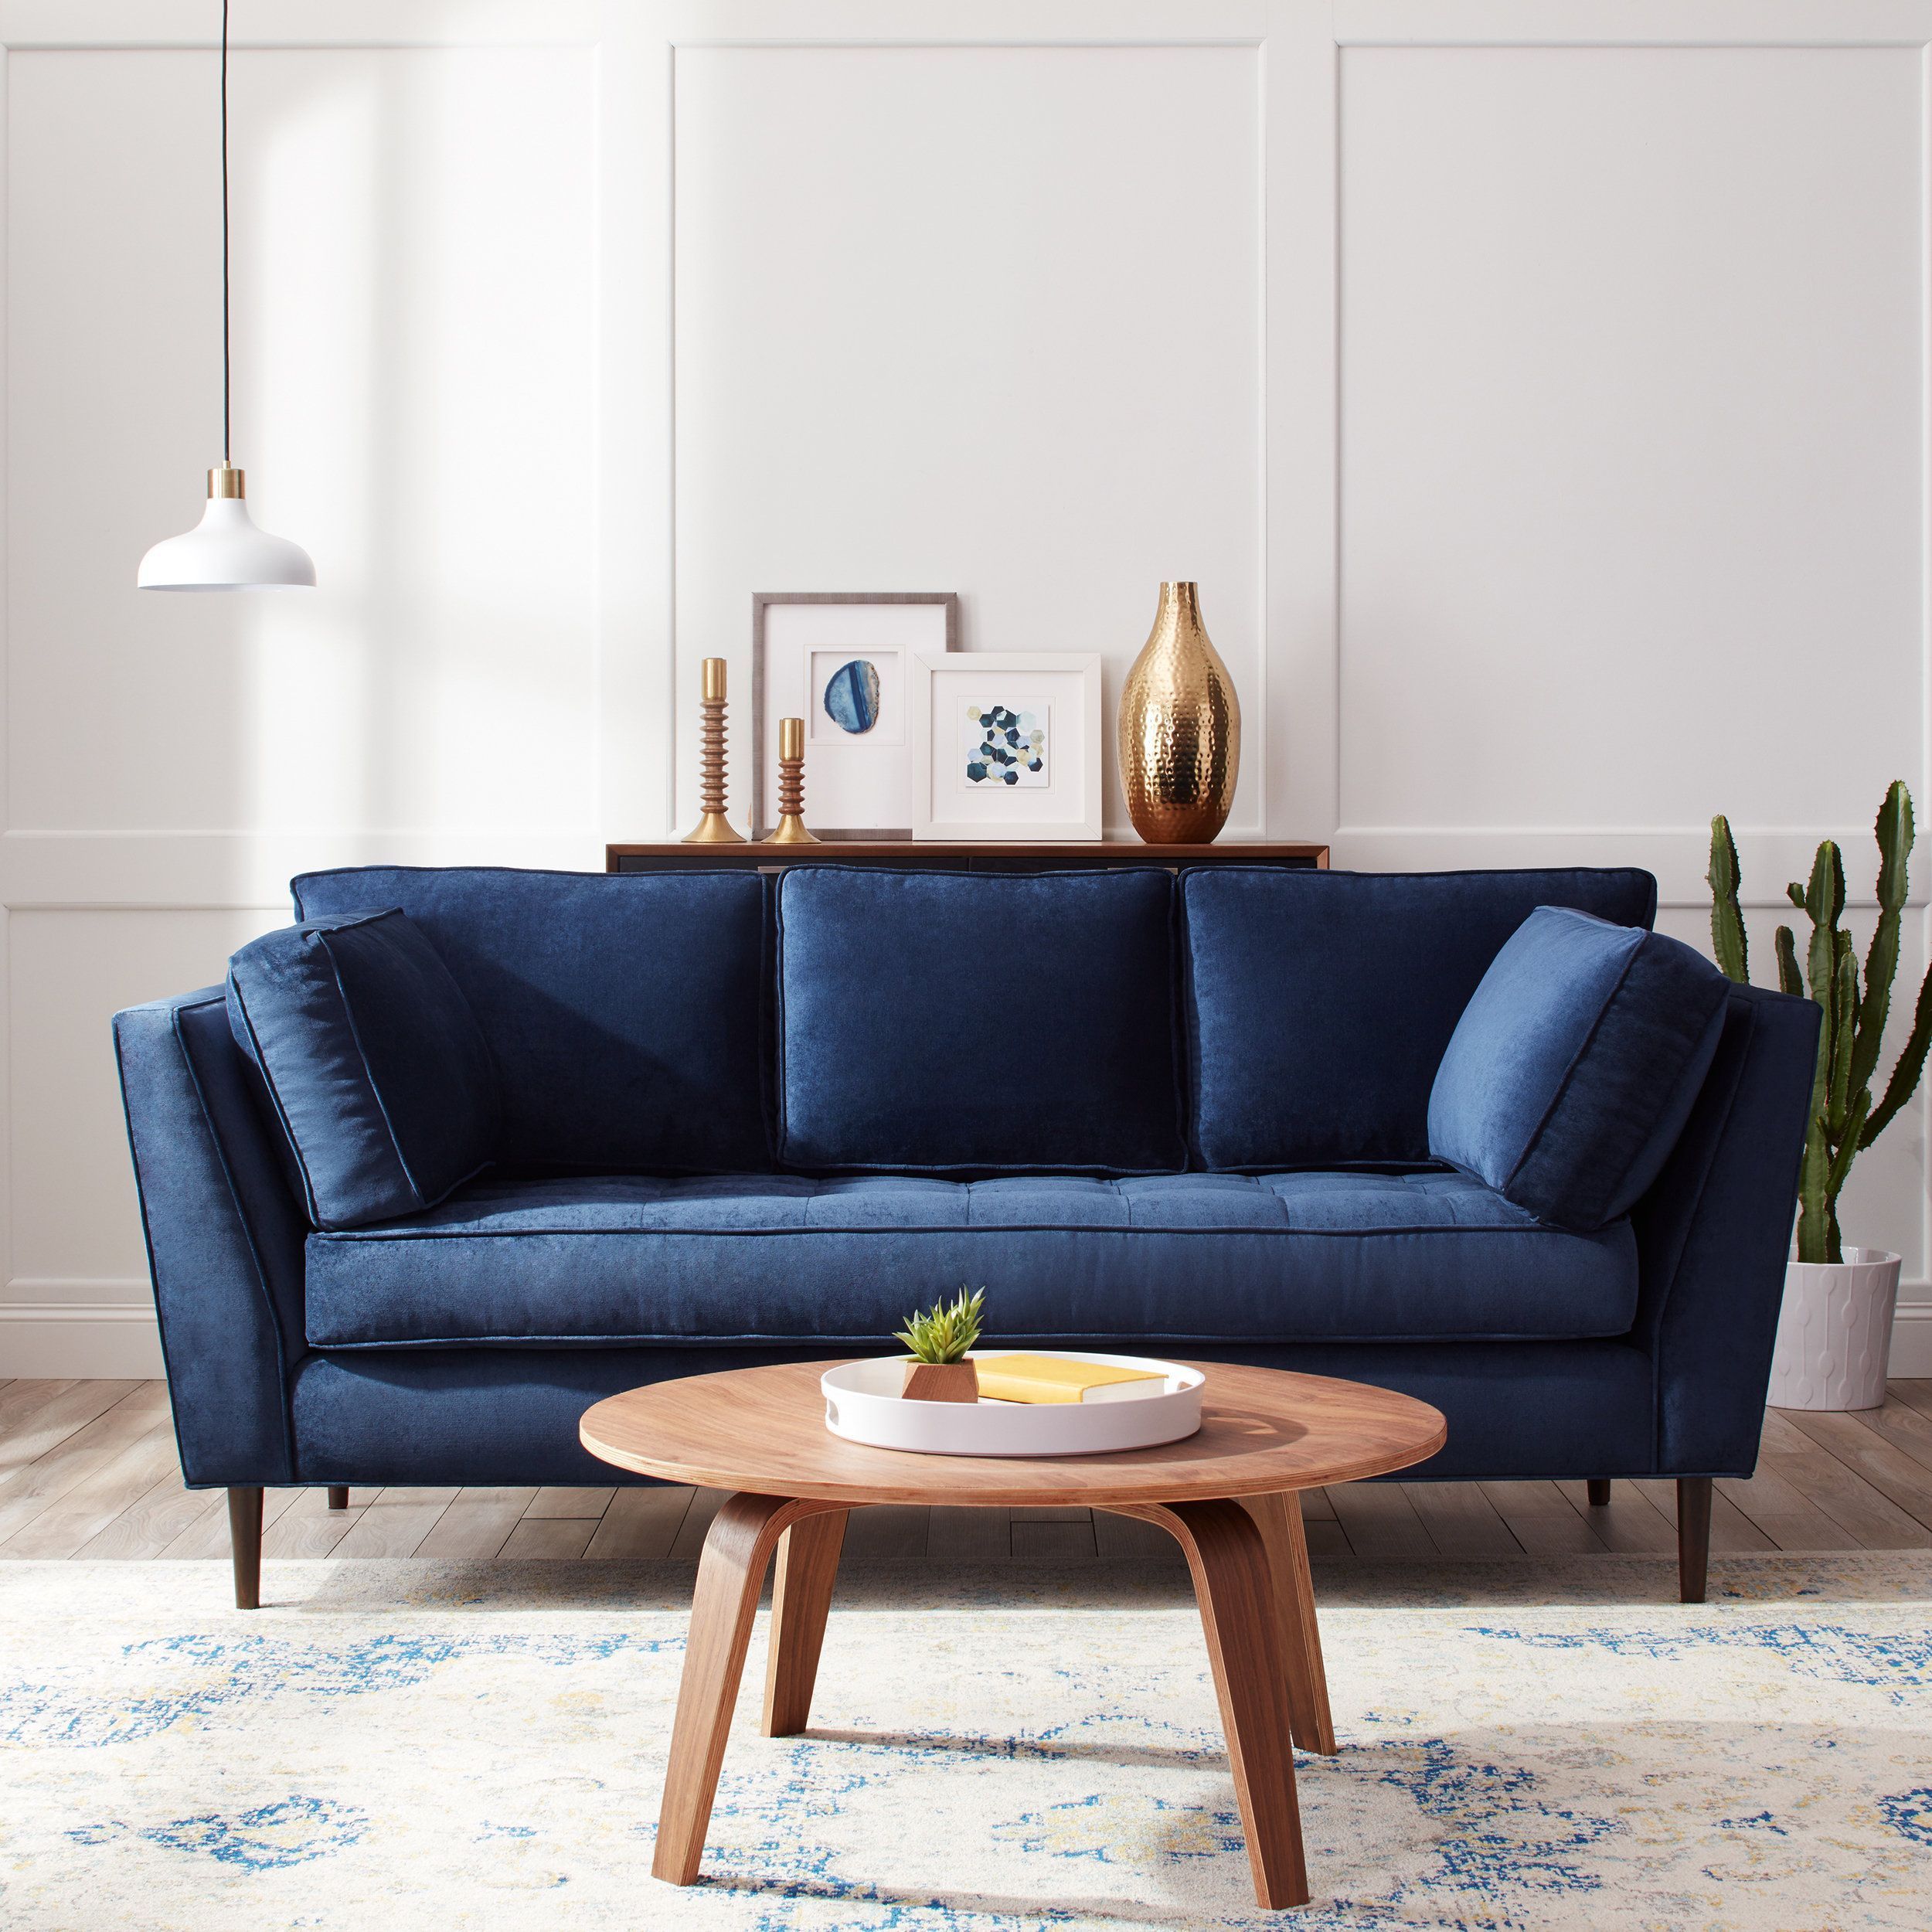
1185, 1260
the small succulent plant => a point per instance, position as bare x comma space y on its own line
944, 1334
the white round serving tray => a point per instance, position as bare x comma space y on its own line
863, 1404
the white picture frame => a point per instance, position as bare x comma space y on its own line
858, 785
1040, 778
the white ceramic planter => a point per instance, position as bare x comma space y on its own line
1834, 1333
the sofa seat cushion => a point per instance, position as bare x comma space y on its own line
1172, 1259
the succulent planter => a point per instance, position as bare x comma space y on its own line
940, 1381
1834, 1332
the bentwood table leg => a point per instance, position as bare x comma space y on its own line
1279, 1520
731, 1573
800, 1600
1233, 1580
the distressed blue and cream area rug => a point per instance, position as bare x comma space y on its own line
422, 1745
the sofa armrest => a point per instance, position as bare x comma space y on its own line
224, 1239
1714, 1233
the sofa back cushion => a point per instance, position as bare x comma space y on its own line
1572, 1073
372, 1063
1318, 1004
949, 1023
625, 1013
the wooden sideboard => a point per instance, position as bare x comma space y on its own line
938, 855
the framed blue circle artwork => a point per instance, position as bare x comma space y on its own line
852, 696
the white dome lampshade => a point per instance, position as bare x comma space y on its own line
225, 551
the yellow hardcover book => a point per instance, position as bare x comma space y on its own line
1043, 1378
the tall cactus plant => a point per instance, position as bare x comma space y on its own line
1843, 1120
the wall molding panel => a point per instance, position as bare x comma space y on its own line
389, 719
1679, 855
1059, 309
1555, 403
1529, 476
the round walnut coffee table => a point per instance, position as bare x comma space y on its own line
1225, 1494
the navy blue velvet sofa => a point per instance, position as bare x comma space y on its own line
680, 1122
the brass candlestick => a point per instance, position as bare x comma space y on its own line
790, 828
713, 829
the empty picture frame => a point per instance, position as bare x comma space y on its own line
1009, 745
841, 661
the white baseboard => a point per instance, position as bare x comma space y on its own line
116, 1339
1912, 1342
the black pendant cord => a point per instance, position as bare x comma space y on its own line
225, 380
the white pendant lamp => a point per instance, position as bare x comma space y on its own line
225, 551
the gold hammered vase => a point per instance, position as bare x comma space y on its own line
1180, 729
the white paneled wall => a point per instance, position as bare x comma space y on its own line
1538, 391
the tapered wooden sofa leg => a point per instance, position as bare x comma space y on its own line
245, 1537
1693, 1536
1599, 1487
338, 1495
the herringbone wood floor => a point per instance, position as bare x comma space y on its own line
87, 1469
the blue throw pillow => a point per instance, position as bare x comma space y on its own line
949, 1023
1573, 1070
372, 1060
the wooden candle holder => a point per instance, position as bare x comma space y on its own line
790, 828
713, 829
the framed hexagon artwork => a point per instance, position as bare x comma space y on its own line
1008, 745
